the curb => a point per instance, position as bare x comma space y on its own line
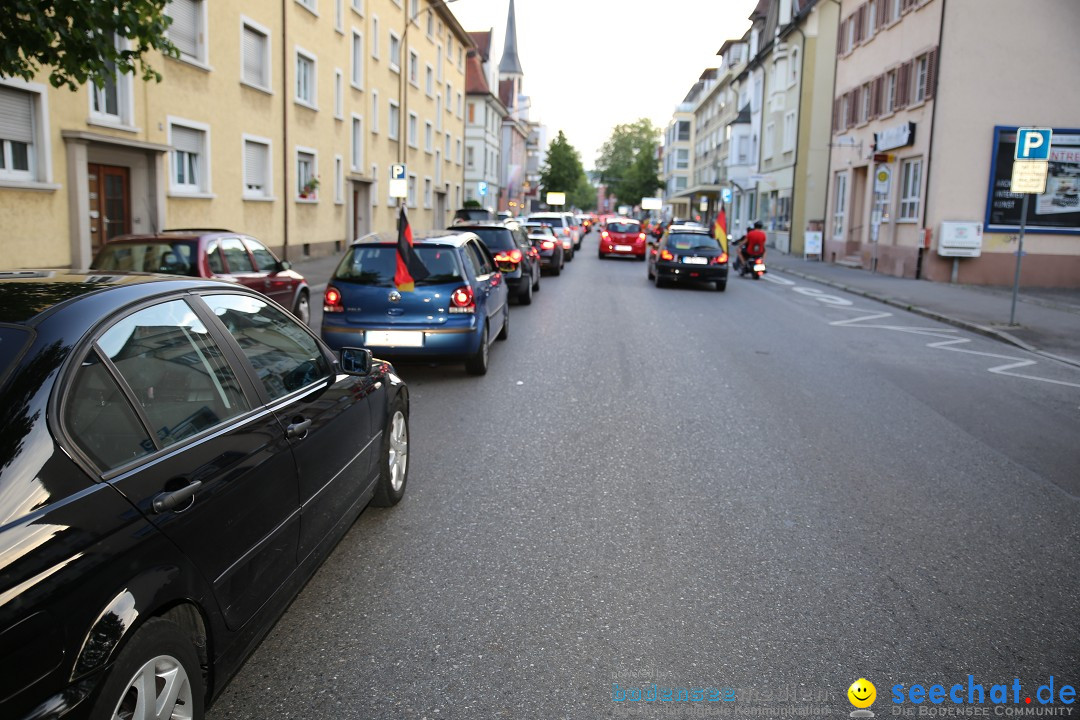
998, 335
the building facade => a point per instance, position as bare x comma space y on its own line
484, 115
309, 99
678, 153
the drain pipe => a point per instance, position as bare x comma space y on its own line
930, 153
832, 130
285, 126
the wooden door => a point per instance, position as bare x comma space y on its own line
110, 202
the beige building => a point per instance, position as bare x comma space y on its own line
280, 120
925, 110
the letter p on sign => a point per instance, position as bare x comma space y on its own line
1033, 143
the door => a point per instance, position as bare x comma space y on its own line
196, 427
280, 288
110, 203
239, 266
858, 230
490, 291
324, 415
361, 224
440, 205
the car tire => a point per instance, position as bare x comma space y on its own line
161, 653
660, 282
394, 457
557, 270
477, 363
648, 271
641, 259
721, 285
505, 332
302, 307
524, 296
600, 255
536, 285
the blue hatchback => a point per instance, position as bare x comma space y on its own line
456, 312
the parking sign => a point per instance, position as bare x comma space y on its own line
1033, 143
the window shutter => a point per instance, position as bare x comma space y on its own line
836, 115
864, 22
255, 163
882, 9
184, 31
931, 72
187, 139
16, 115
254, 56
901, 86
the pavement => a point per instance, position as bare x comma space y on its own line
1047, 320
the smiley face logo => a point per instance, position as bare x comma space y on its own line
862, 693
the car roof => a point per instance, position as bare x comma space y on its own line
688, 229
501, 224
453, 237
172, 234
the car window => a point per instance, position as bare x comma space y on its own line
623, 227
264, 259
690, 241
375, 265
495, 238
173, 258
213, 258
175, 369
486, 265
284, 355
236, 256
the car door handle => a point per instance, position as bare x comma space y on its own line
299, 429
166, 501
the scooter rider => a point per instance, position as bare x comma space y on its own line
752, 244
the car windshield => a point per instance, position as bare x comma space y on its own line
623, 227
538, 229
173, 258
375, 265
495, 238
473, 214
692, 241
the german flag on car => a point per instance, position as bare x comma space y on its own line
409, 266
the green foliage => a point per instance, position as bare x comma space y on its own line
472, 204
562, 171
584, 195
75, 38
627, 162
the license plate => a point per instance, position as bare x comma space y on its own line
623, 248
695, 260
394, 338
759, 268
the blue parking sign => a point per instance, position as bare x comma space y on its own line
397, 171
1033, 143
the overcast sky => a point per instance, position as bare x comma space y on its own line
593, 64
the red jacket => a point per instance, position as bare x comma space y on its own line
755, 242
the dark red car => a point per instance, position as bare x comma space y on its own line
220, 254
622, 236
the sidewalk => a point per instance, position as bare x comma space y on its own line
1048, 321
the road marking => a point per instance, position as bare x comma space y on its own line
822, 296
777, 279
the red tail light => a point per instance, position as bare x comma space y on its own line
720, 259
641, 236
462, 300
332, 300
566, 244
514, 256
603, 233
665, 255
547, 245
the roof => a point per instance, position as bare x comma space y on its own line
475, 82
506, 93
510, 63
482, 40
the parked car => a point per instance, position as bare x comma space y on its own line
563, 230
514, 256
456, 312
577, 229
548, 246
473, 215
688, 254
622, 237
210, 253
178, 457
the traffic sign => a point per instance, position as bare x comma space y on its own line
556, 198
399, 184
397, 171
482, 187
1033, 144
1029, 176
725, 195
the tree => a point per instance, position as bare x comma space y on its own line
627, 162
584, 196
562, 171
76, 39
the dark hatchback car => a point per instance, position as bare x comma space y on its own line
547, 245
513, 253
686, 254
178, 456
220, 254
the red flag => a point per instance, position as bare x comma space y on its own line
409, 267
720, 229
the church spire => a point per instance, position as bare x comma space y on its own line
509, 65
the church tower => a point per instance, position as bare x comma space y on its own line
510, 73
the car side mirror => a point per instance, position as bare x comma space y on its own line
355, 361
284, 265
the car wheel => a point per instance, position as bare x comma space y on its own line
557, 270
505, 332
648, 271
394, 459
660, 282
536, 285
721, 285
524, 297
302, 308
477, 364
156, 675
600, 255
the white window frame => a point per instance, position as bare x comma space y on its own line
411, 199
374, 199
202, 188
459, 107
356, 59
429, 135
268, 54
267, 194
457, 151
470, 157
357, 7
891, 79
393, 129
314, 82
202, 41
412, 130
430, 32
839, 204
339, 180
910, 197
865, 109
375, 37
769, 140
429, 80
297, 151
922, 65
339, 94
356, 141
312, 6
438, 112
395, 63
339, 16
414, 68
438, 64
789, 132
39, 151
427, 192
793, 68
125, 98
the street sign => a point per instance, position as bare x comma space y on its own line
652, 203
882, 177
725, 195
481, 187
1029, 176
1033, 144
703, 204
556, 198
399, 184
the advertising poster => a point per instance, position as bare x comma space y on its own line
1055, 211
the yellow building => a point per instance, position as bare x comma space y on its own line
266, 99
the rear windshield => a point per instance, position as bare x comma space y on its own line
473, 214
495, 238
623, 227
173, 258
554, 222
537, 228
692, 241
375, 265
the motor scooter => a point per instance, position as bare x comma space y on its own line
754, 265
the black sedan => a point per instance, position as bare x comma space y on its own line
177, 456
550, 249
686, 254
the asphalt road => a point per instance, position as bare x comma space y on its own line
777, 489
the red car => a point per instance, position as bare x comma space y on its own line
622, 236
221, 254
